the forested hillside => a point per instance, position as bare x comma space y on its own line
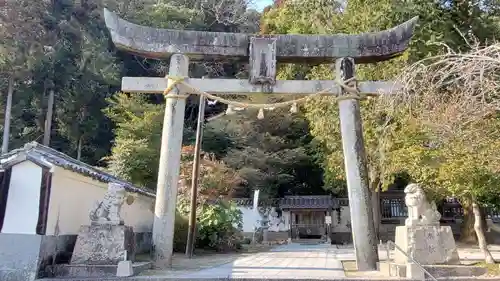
61, 50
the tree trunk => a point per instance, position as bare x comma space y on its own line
467, 233
484, 223
478, 227
48, 119
8, 109
79, 148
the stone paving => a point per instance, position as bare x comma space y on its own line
466, 253
294, 261
284, 262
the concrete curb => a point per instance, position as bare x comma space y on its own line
152, 278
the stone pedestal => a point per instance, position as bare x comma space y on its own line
104, 244
428, 245
265, 234
125, 269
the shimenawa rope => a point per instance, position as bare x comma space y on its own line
346, 85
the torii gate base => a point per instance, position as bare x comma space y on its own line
263, 54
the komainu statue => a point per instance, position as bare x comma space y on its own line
420, 211
107, 211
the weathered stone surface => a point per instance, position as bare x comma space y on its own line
363, 229
107, 211
438, 271
414, 272
161, 43
104, 245
168, 170
75, 271
420, 210
19, 256
242, 86
124, 269
428, 245
263, 61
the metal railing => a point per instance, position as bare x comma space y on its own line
408, 256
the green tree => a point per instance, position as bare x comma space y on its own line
464, 167
274, 154
439, 23
22, 45
86, 69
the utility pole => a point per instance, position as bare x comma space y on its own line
48, 119
8, 109
194, 178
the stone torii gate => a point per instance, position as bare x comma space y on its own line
262, 53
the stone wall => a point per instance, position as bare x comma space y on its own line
25, 257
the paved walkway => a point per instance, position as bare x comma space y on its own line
287, 261
294, 261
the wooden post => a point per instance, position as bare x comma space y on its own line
168, 171
363, 230
194, 179
48, 119
8, 110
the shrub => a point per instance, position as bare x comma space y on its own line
180, 233
219, 227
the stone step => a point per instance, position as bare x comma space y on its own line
79, 272
438, 271
309, 241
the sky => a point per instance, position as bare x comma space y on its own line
261, 4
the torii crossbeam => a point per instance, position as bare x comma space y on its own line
262, 53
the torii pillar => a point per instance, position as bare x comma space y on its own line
262, 53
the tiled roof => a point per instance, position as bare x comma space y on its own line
249, 202
46, 156
308, 202
294, 202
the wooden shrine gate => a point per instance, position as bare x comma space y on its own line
262, 53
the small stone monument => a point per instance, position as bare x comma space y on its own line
106, 241
265, 229
422, 237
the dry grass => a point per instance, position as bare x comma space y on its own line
351, 270
493, 269
447, 93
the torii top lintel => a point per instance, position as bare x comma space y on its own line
312, 49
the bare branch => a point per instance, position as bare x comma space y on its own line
227, 11
449, 93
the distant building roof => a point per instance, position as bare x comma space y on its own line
294, 202
46, 157
308, 202
268, 202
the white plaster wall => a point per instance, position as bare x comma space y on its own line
345, 220
21, 214
286, 219
72, 197
250, 220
